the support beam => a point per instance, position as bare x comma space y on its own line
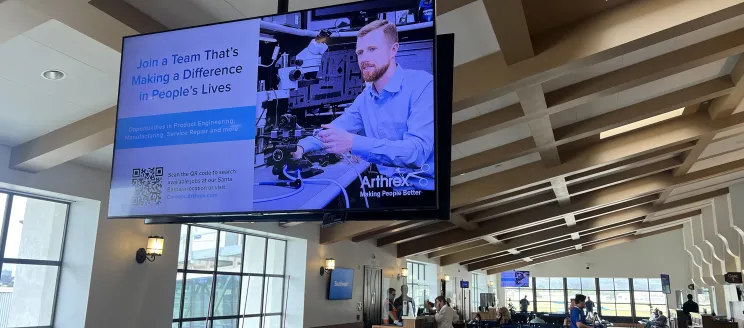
725, 106
348, 230
420, 232
510, 26
724, 228
571, 252
386, 231
66, 143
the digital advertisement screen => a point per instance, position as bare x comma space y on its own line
515, 279
341, 285
666, 284
329, 109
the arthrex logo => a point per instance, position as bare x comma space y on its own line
401, 180
340, 284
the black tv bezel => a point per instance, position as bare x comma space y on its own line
328, 290
442, 133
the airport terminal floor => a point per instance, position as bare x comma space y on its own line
371, 164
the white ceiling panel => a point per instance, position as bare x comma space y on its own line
485, 108
570, 115
710, 31
717, 160
474, 37
26, 114
500, 167
78, 46
23, 61
99, 159
729, 133
456, 153
723, 146
583, 74
493, 140
713, 182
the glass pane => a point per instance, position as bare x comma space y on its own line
543, 306
28, 292
182, 246
543, 295
273, 295
174, 325
623, 310
606, 297
177, 298
557, 296
654, 285
250, 302
226, 296
622, 284
622, 297
255, 250
643, 311
608, 309
640, 284
410, 272
642, 298
196, 298
573, 283
606, 284
542, 283
557, 307
273, 321
231, 252
225, 323
658, 298
202, 248
275, 257
526, 292
253, 322
36, 229
588, 284
556, 283
195, 324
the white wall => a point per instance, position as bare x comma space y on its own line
642, 258
101, 284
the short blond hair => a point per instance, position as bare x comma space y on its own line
390, 30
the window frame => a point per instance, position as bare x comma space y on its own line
413, 285
550, 291
5, 225
210, 318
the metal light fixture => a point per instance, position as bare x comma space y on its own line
154, 248
446, 277
491, 283
53, 75
403, 273
330, 265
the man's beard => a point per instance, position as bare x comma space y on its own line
376, 74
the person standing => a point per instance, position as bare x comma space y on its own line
391, 315
404, 304
523, 304
589, 305
445, 314
578, 318
690, 307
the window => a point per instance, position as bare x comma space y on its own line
614, 297
32, 233
584, 286
703, 298
478, 286
418, 288
549, 294
648, 296
514, 295
229, 279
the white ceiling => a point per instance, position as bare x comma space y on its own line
31, 106
99, 159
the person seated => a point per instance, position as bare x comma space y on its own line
659, 320
537, 320
475, 321
504, 316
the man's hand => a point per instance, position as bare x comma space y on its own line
335, 140
299, 152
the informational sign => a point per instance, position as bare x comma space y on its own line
666, 285
733, 277
464, 284
341, 284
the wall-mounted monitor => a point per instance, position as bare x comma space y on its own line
286, 117
464, 284
341, 284
666, 284
515, 279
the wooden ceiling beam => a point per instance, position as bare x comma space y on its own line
420, 232
560, 255
725, 106
348, 230
510, 26
385, 231
458, 248
489, 77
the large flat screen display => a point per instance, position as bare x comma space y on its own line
329, 109
341, 284
515, 279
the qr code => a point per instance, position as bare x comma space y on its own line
148, 186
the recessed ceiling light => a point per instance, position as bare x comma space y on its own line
53, 75
642, 123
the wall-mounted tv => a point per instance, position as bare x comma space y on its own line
515, 279
341, 284
291, 114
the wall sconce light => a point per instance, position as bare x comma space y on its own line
491, 283
154, 248
403, 273
330, 265
446, 277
